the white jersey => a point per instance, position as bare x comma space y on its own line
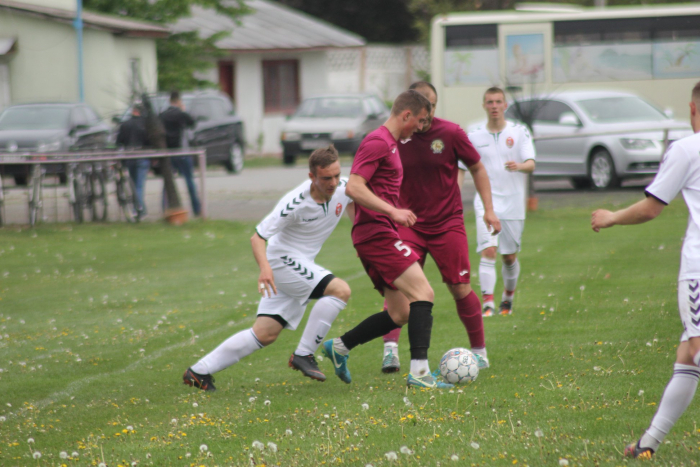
680, 172
299, 225
508, 189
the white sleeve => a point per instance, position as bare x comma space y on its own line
674, 172
527, 147
461, 165
276, 221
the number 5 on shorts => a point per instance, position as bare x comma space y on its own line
401, 247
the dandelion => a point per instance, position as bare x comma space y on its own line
75, 454
187, 454
407, 402
454, 458
101, 464
475, 445
174, 421
563, 462
257, 380
288, 432
365, 406
267, 403
30, 440
36, 455
63, 455
369, 465
641, 392
252, 399
405, 450
391, 456
258, 445
195, 405
539, 433
272, 446
2, 418
203, 448
130, 428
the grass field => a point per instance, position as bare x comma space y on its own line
98, 322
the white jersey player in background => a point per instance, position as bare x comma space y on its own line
679, 173
508, 153
295, 232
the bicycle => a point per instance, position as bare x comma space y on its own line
36, 194
126, 192
95, 179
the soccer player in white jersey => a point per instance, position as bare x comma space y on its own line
679, 173
295, 232
508, 153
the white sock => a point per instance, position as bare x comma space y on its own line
487, 276
481, 351
320, 320
228, 352
339, 347
510, 279
677, 397
391, 347
419, 368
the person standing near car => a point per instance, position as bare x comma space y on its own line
176, 120
133, 136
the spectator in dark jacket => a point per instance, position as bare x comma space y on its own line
133, 136
176, 120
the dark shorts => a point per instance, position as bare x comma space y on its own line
450, 251
385, 258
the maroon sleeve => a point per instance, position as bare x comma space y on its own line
464, 149
368, 158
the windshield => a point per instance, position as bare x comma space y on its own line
344, 107
35, 117
620, 109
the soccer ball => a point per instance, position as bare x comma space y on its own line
459, 366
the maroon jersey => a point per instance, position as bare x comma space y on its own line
430, 187
377, 161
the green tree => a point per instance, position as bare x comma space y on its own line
181, 54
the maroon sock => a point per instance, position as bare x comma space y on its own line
469, 311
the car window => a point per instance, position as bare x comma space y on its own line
367, 107
210, 109
79, 118
620, 109
328, 107
550, 111
378, 106
35, 117
516, 110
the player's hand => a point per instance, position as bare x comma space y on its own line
601, 219
492, 223
404, 217
266, 282
512, 166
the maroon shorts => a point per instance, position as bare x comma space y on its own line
385, 258
449, 250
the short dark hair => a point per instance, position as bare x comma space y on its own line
494, 90
423, 84
411, 100
322, 157
174, 96
696, 93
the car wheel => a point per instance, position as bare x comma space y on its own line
602, 171
581, 183
234, 163
289, 158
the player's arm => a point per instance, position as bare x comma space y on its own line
483, 187
525, 167
350, 210
460, 177
360, 193
266, 280
639, 213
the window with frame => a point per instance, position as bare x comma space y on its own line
281, 85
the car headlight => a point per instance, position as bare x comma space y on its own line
49, 146
635, 143
291, 136
343, 134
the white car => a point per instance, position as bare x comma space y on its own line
601, 161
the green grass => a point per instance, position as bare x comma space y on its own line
98, 322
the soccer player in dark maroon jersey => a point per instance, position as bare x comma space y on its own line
374, 185
431, 189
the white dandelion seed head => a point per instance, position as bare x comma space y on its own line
258, 445
252, 399
130, 428
173, 421
454, 458
405, 450
582, 288
74, 454
36, 455
475, 445
63, 455
267, 402
539, 433
288, 432
391, 456
365, 406
188, 454
369, 465
101, 464
2, 418
563, 462
407, 401
30, 440
648, 344
641, 392
325, 415
272, 446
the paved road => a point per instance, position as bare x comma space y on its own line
253, 193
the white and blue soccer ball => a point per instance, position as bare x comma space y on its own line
459, 366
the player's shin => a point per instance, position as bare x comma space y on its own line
372, 327
510, 272
420, 325
469, 311
319, 323
228, 353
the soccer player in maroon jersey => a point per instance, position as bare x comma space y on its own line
431, 189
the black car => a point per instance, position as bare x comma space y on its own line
48, 128
218, 128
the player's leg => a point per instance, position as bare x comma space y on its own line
486, 245
332, 295
680, 390
243, 343
509, 246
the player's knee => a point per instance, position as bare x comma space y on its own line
509, 259
459, 291
267, 337
489, 253
339, 289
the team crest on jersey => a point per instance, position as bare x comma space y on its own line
437, 146
510, 142
338, 210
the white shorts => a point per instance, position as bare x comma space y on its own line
508, 240
689, 308
295, 279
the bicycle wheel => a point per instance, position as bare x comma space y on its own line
126, 194
35, 195
78, 200
99, 196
